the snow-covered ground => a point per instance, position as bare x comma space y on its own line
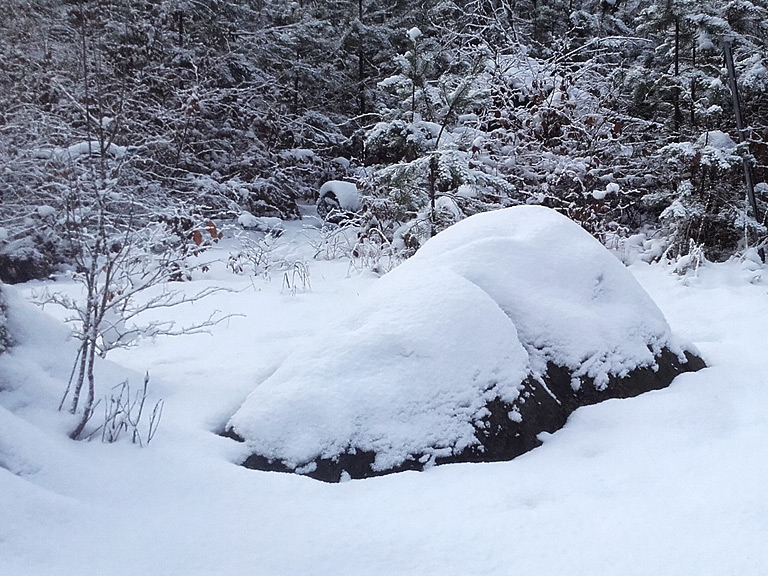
673, 482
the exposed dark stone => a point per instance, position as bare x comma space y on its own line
356, 464
25, 266
5, 338
232, 435
542, 407
504, 439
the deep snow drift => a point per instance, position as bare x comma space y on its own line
671, 482
453, 356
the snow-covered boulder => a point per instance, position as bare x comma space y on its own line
495, 331
338, 198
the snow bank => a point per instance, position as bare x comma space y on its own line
30, 387
477, 319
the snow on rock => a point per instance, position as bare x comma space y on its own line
346, 193
573, 302
407, 373
338, 196
495, 331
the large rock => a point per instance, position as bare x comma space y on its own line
495, 331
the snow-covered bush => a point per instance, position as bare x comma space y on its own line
703, 201
116, 257
399, 140
262, 196
691, 262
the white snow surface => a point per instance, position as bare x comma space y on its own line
259, 223
463, 322
671, 482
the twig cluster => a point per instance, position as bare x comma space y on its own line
124, 412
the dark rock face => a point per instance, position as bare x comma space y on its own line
5, 339
547, 409
508, 430
24, 266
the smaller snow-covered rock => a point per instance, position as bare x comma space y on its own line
337, 197
414, 34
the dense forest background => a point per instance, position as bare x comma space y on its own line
118, 116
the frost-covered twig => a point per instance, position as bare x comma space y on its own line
123, 412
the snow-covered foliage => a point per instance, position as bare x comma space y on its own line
267, 224
252, 106
480, 307
79, 149
703, 204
